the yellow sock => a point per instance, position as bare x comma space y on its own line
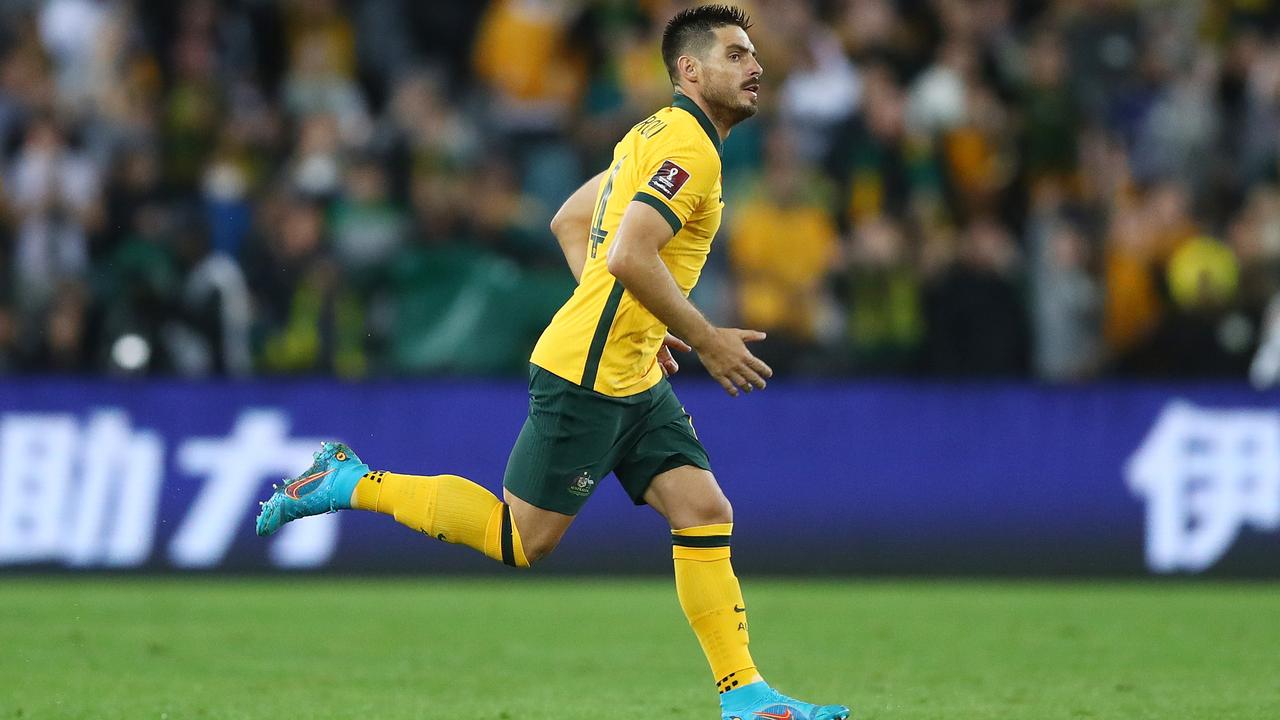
712, 600
446, 507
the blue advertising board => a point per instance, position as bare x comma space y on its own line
835, 478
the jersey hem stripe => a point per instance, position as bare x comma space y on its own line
602, 335
662, 209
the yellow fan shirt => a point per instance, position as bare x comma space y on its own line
603, 338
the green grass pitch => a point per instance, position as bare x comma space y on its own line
529, 648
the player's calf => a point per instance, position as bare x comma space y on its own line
449, 508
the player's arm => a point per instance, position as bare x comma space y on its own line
633, 259
572, 225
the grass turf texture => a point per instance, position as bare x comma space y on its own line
530, 648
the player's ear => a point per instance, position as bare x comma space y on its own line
687, 68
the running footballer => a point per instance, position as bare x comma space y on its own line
636, 237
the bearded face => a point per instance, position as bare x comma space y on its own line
730, 81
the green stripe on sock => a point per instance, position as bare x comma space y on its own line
707, 541
508, 546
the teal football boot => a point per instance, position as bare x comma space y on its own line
758, 701
325, 487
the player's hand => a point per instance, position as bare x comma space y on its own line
725, 355
665, 359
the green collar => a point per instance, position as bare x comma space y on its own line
684, 102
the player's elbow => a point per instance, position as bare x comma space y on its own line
568, 223
560, 223
619, 262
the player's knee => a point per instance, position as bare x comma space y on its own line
538, 542
718, 511
710, 510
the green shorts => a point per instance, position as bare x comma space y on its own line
574, 437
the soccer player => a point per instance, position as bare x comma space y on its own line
635, 237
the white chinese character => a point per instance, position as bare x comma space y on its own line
80, 496
113, 510
258, 448
1205, 474
37, 458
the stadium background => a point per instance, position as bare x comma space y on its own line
1050, 190
1015, 260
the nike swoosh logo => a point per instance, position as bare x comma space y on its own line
292, 488
739, 609
771, 716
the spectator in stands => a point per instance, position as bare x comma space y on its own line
1202, 335
1254, 237
193, 109
979, 152
316, 167
53, 194
938, 100
537, 77
629, 80
1179, 132
884, 170
868, 27
26, 88
311, 322
504, 219
977, 325
1103, 38
520, 53
64, 340
1253, 74
139, 287
225, 195
70, 31
210, 333
423, 130
12, 357
458, 305
134, 182
821, 88
884, 303
783, 248
366, 227
1066, 302
1133, 306
1051, 119
318, 85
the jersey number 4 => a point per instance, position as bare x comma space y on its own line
598, 233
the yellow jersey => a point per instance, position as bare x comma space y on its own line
603, 338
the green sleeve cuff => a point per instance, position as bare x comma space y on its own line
662, 209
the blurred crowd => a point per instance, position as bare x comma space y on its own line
1056, 189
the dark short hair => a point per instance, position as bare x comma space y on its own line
693, 27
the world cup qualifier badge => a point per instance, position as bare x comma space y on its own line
582, 484
669, 179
